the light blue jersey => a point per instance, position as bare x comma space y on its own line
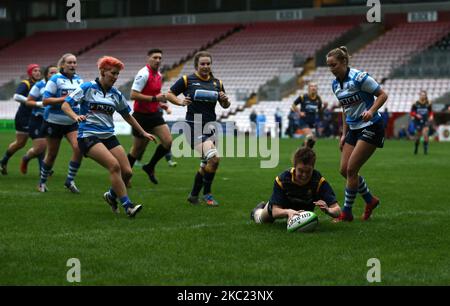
36, 93
356, 95
98, 107
58, 86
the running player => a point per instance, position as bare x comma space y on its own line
422, 115
201, 92
57, 124
35, 124
310, 106
98, 101
22, 115
146, 93
363, 129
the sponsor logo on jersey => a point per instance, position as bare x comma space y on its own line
355, 99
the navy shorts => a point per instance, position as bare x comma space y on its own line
54, 130
197, 137
148, 122
35, 127
21, 122
306, 125
373, 134
86, 143
419, 125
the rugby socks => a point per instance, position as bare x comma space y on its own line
416, 148
73, 169
364, 190
131, 159
159, 153
5, 158
350, 196
45, 172
207, 182
425, 147
112, 193
168, 156
198, 184
41, 160
125, 202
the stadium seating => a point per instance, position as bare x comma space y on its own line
404, 92
397, 46
383, 55
45, 48
432, 63
262, 51
4, 42
131, 46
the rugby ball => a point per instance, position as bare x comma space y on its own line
305, 221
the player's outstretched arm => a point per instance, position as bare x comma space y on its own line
131, 121
69, 112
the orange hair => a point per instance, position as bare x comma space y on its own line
108, 62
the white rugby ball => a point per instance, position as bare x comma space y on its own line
305, 221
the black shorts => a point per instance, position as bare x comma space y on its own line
307, 125
148, 121
35, 127
86, 143
195, 138
54, 130
373, 134
419, 125
21, 122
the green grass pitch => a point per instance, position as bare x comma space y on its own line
173, 243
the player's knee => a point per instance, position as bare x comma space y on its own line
352, 171
212, 164
75, 149
212, 160
39, 149
114, 167
19, 144
343, 171
167, 144
127, 173
50, 158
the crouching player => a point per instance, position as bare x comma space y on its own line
298, 189
98, 101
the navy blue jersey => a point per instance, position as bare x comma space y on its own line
424, 110
310, 107
289, 195
23, 89
203, 93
